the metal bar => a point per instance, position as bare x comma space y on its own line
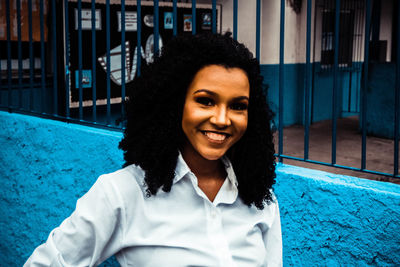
123, 57
338, 166
258, 26
281, 77
359, 54
156, 29
325, 34
31, 59
108, 64
67, 73
193, 17
397, 100
1, 81
9, 67
19, 53
214, 16
55, 74
235, 19
139, 36
349, 93
313, 66
335, 78
308, 83
94, 78
365, 85
42, 59
80, 60
175, 17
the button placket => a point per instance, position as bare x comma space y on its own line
217, 236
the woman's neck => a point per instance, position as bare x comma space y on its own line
210, 173
202, 167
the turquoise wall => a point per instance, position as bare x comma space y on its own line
321, 96
380, 99
327, 219
45, 167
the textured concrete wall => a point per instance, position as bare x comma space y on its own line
47, 165
335, 220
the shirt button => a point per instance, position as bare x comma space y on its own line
213, 214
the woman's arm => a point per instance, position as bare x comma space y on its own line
90, 235
273, 237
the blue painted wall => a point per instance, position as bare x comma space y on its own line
348, 88
380, 96
327, 219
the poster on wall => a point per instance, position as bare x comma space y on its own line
149, 52
206, 21
86, 79
115, 64
149, 20
168, 20
86, 19
130, 21
187, 23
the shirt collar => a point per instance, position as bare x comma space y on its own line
182, 169
229, 170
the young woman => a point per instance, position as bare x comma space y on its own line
196, 188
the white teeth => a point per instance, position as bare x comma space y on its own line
215, 136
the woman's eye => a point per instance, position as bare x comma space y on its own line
205, 101
239, 106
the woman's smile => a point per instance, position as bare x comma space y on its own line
216, 137
215, 111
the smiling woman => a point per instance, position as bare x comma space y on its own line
214, 119
196, 187
215, 111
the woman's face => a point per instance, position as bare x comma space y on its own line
216, 110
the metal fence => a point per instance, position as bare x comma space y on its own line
38, 47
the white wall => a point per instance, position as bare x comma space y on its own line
385, 30
295, 29
246, 21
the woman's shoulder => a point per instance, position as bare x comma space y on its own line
271, 210
128, 174
123, 183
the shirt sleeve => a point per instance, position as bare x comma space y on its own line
90, 235
273, 238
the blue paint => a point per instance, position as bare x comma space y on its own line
327, 219
294, 89
335, 220
380, 99
45, 167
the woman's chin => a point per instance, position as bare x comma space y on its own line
213, 155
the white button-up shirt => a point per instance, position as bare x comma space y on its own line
179, 228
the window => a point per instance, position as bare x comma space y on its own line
346, 32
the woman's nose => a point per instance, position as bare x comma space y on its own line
220, 117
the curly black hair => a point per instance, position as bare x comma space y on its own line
154, 135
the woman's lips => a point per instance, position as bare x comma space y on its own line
216, 137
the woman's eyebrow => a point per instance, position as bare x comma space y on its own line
214, 94
241, 98
205, 91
